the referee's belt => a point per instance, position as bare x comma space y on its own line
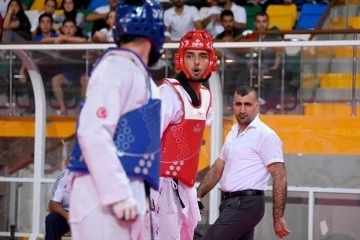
249, 192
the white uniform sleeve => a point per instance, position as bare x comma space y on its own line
107, 93
171, 106
270, 149
58, 190
210, 117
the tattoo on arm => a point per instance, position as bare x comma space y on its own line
211, 178
279, 190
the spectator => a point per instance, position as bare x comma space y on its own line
99, 16
213, 17
272, 56
262, 24
70, 73
228, 23
44, 35
49, 8
16, 24
236, 68
68, 33
4, 5
180, 19
270, 68
44, 32
70, 12
56, 222
106, 34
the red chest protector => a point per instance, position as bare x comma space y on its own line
181, 142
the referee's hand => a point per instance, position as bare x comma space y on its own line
280, 228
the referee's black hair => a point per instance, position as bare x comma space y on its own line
245, 90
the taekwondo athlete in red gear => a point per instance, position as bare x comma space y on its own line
116, 154
186, 110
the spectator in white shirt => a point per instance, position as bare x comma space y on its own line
180, 19
213, 16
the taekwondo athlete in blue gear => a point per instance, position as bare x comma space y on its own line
117, 147
139, 153
137, 139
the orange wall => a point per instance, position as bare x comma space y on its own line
304, 135
56, 127
300, 134
317, 134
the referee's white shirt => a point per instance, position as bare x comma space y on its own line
247, 156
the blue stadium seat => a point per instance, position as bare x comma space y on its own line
310, 15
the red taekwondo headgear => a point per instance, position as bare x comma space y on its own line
196, 40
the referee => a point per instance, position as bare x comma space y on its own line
252, 152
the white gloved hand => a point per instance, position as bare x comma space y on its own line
127, 209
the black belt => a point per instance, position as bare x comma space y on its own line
250, 192
177, 192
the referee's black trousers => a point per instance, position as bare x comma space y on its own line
238, 218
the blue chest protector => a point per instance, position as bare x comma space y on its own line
137, 139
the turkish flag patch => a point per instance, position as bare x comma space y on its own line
101, 112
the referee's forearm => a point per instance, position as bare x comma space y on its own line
279, 196
209, 182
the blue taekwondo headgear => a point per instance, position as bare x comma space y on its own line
141, 18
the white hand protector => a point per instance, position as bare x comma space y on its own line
127, 209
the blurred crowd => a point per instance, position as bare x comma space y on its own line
80, 21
